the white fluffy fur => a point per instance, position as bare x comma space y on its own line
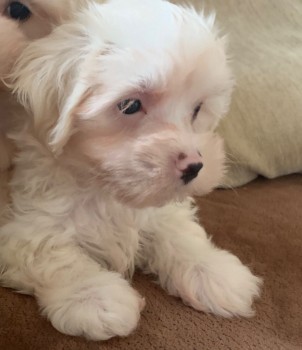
97, 193
14, 36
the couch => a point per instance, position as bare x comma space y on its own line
260, 222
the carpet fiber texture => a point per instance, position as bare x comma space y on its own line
261, 223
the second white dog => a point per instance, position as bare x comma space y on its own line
120, 98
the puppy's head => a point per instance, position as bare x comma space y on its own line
25, 20
134, 90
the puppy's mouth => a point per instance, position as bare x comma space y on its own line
153, 187
155, 200
149, 171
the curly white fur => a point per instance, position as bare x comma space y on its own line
14, 36
97, 193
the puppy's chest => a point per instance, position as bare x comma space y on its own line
109, 234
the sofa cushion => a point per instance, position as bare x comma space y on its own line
263, 131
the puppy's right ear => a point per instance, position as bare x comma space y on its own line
47, 80
65, 125
54, 76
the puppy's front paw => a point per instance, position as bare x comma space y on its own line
221, 285
100, 309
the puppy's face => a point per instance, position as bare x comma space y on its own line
144, 137
25, 20
140, 87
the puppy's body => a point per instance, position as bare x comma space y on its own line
114, 154
70, 244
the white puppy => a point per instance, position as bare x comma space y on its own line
21, 22
120, 97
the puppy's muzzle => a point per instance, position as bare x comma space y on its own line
189, 165
191, 172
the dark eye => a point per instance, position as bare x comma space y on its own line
196, 111
18, 11
130, 106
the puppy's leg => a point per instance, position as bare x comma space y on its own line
74, 292
177, 249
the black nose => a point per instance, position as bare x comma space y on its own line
191, 172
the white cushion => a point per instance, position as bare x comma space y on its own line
263, 131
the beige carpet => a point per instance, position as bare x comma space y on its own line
261, 223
